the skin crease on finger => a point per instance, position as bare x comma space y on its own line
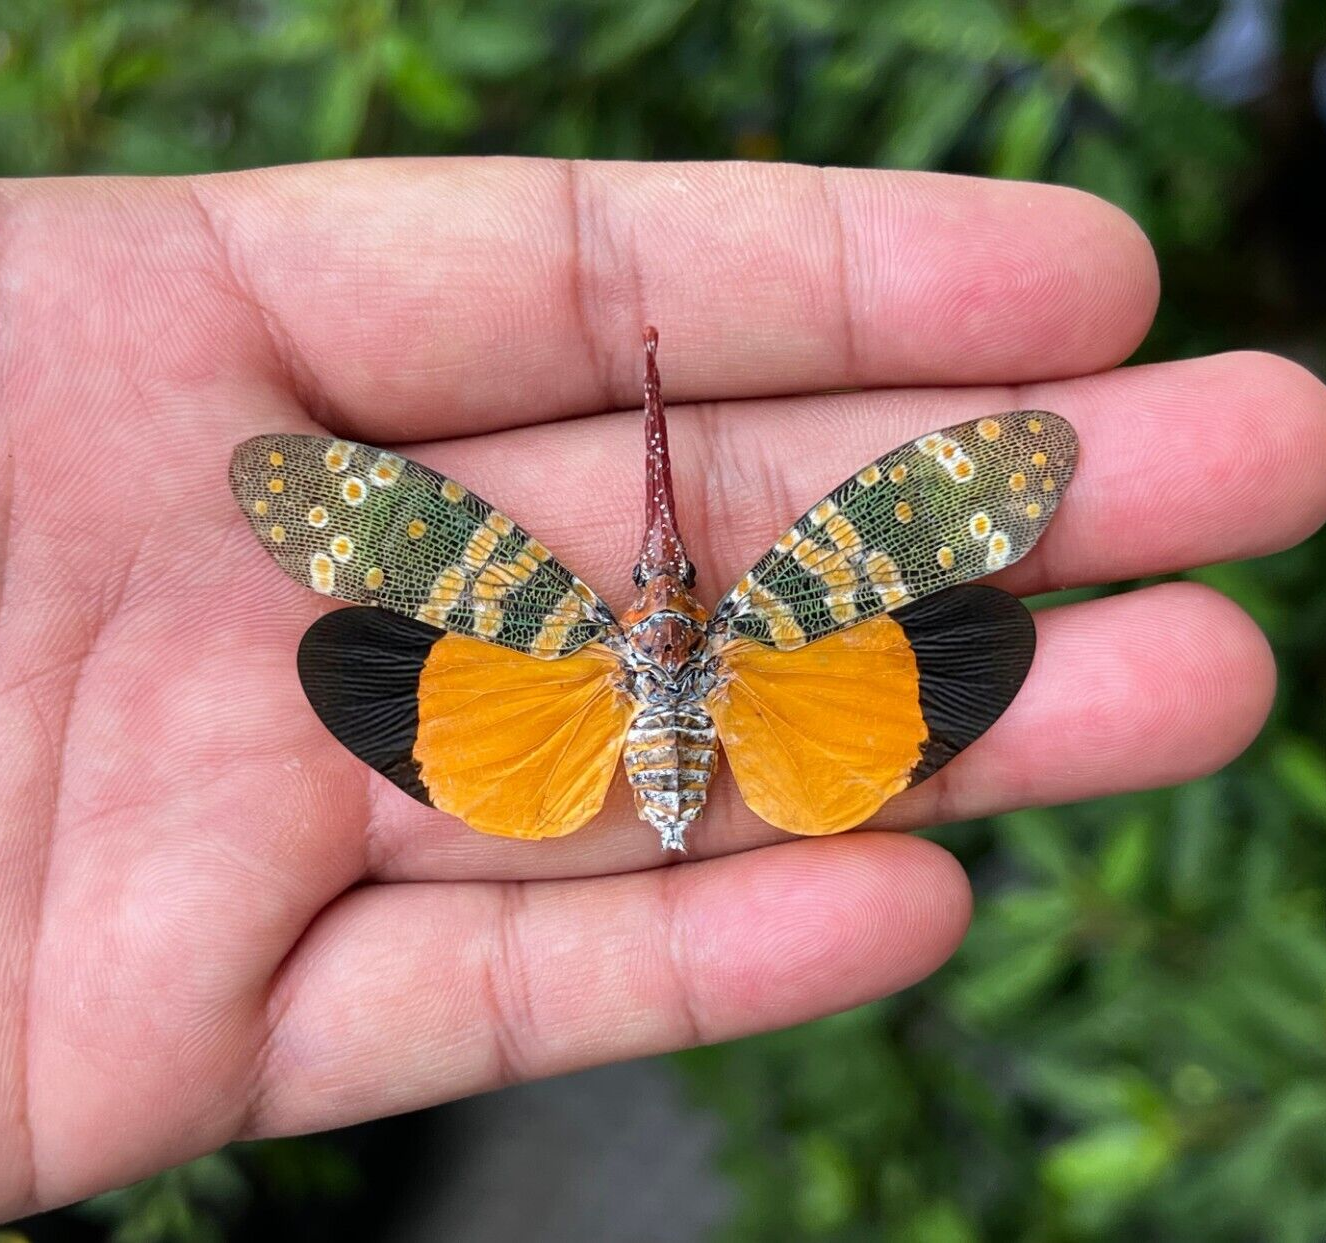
179, 825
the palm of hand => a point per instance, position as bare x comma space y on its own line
199, 932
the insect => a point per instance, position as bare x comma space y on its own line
852, 661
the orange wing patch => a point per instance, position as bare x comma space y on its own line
518, 746
819, 737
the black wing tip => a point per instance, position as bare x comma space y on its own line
360, 669
974, 647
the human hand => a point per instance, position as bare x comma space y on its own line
204, 930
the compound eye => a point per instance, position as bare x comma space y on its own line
638, 576
688, 579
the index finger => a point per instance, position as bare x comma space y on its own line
415, 299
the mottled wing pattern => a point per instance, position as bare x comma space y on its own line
368, 526
942, 510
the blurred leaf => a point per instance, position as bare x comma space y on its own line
1126, 858
429, 96
826, 1190
1035, 838
1025, 131
337, 118
489, 45
934, 103
1108, 1163
975, 30
628, 31
1302, 768
939, 1222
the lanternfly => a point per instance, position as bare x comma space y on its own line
486, 680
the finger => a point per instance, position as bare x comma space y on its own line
401, 996
422, 298
1147, 689
1182, 464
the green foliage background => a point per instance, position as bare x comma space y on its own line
1132, 1042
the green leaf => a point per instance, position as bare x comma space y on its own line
627, 31
826, 1184
1025, 129
1037, 840
429, 95
490, 45
1109, 1163
1000, 990
337, 117
941, 1221
935, 101
1125, 860
1301, 766
975, 30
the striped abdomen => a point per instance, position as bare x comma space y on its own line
671, 752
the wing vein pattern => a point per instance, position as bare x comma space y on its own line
370, 527
936, 512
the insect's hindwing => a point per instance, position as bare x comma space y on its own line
511, 745
936, 512
371, 527
818, 737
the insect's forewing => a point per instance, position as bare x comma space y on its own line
942, 510
370, 527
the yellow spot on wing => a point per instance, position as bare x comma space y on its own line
869, 477
278, 534
322, 573
353, 491
276, 486
444, 596
260, 508
842, 608
902, 511
276, 457
1034, 426
337, 457
1038, 458
1017, 481
318, 517
342, 548
881, 569
374, 578
841, 531
417, 528
386, 470
1034, 509
823, 512
783, 626
453, 491
944, 556
552, 634
988, 429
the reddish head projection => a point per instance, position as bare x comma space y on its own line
662, 551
